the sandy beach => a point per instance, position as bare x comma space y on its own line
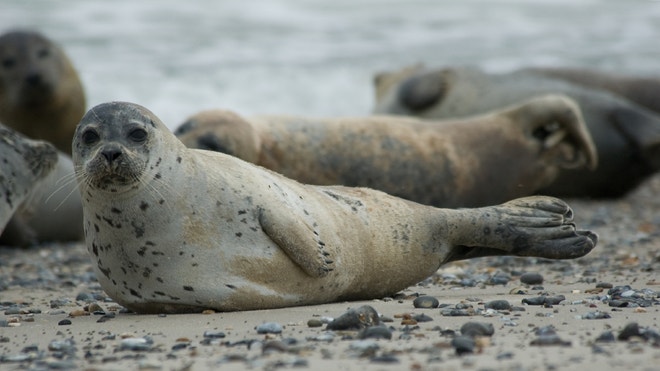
47, 293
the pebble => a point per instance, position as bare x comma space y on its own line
214, 334
366, 347
355, 319
606, 337
86, 297
67, 346
477, 329
385, 358
548, 336
426, 302
596, 315
604, 285
531, 278
499, 279
375, 332
314, 323
544, 300
630, 330
136, 344
269, 328
422, 318
463, 344
498, 305
64, 322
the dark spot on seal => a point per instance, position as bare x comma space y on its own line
135, 293
239, 234
161, 201
106, 272
486, 230
174, 297
115, 210
157, 176
160, 293
96, 228
142, 250
149, 243
188, 288
241, 212
95, 249
159, 280
146, 273
178, 159
124, 270
231, 286
144, 206
139, 230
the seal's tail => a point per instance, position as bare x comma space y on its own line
536, 226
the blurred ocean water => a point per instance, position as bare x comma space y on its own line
318, 57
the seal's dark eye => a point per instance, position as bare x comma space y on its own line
43, 53
8, 62
90, 137
138, 135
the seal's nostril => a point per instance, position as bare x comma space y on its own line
111, 154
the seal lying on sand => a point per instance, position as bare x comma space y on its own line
23, 165
174, 229
627, 135
52, 213
41, 94
515, 151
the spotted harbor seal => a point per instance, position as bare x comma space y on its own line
626, 134
41, 94
52, 213
443, 164
174, 229
23, 165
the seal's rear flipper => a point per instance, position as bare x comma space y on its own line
532, 226
642, 130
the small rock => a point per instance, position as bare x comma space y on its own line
604, 285
136, 344
631, 329
531, 278
477, 329
498, 305
606, 337
463, 344
269, 328
314, 323
64, 322
375, 332
364, 348
544, 300
426, 302
214, 334
355, 319
596, 315
422, 318
385, 358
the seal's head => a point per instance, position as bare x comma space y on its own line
112, 147
30, 68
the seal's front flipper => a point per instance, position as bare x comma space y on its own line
531, 226
299, 240
642, 130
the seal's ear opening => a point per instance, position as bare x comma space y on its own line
422, 91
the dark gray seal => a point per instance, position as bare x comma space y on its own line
617, 111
